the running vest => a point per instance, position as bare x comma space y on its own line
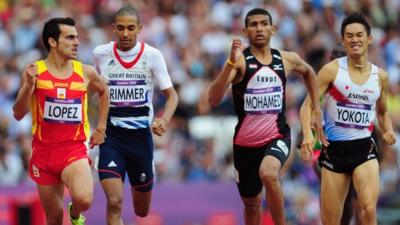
59, 106
131, 83
349, 109
259, 100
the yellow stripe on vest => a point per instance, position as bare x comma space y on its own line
77, 86
44, 84
41, 66
78, 67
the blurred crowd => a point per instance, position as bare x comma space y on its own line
194, 37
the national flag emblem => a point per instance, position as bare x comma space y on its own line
252, 66
61, 93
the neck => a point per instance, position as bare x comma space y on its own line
261, 51
56, 61
126, 49
359, 63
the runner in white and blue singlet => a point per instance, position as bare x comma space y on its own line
132, 69
355, 94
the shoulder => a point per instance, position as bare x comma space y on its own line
383, 75
152, 51
289, 56
291, 60
330, 69
89, 71
103, 49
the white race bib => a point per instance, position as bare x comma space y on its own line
353, 115
128, 93
263, 100
63, 110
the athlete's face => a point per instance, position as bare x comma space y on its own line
259, 30
67, 44
126, 29
356, 40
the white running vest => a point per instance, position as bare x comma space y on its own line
349, 109
131, 77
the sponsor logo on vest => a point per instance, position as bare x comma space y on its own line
278, 67
111, 63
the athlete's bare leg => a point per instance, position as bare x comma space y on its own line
269, 174
366, 183
141, 202
52, 199
334, 189
252, 210
114, 190
78, 178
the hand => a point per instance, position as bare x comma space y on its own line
159, 126
97, 137
307, 145
320, 130
31, 74
389, 137
236, 49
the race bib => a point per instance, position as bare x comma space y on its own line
351, 115
128, 93
63, 110
263, 100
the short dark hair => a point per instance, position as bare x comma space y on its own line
127, 10
257, 11
355, 18
51, 29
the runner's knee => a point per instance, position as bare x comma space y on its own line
368, 210
83, 201
252, 208
269, 178
115, 203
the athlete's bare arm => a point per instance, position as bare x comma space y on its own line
27, 87
293, 62
385, 123
325, 78
234, 66
98, 84
159, 125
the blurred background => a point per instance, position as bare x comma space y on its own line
193, 161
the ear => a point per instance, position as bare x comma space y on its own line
370, 39
113, 27
52, 42
244, 32
274, 29
139, 27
